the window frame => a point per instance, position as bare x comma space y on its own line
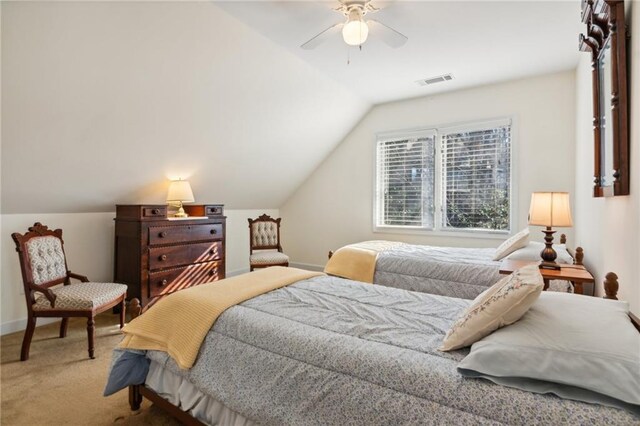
440, 229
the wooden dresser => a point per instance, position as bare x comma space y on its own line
155, 255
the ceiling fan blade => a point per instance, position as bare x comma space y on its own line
322, 37
390, 36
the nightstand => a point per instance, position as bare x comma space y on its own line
575, 274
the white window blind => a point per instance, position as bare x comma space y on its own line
476, 177
406, 177
445, 179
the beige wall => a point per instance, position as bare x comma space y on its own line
609, 228
89, 247
334, 206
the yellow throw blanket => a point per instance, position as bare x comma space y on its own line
178, 323
358, 261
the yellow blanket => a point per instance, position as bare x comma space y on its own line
358, 261
178, 323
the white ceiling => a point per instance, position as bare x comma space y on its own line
478, 42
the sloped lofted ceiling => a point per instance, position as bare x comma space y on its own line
102, 102
479, 42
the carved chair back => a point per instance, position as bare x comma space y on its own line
264, 233
42, 259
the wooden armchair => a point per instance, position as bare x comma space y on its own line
264, 236
44, 266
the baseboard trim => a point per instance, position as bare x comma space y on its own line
307, 266
237, 272
21, 324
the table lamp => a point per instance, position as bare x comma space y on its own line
180, 192
550, 209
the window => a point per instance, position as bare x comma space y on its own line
445, 179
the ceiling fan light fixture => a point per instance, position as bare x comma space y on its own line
356, 30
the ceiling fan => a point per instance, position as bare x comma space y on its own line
355, 29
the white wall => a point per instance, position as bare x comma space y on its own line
88, 244
107, 100
334, 206
609, 228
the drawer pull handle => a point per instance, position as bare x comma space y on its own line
214, 231
212, 252
162, 234
163, 257
164, 282
155, 211
211, 272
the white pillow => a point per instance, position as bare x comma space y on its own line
577, 347
502, 304
512, 244
532, 251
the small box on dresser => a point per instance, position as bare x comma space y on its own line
156, 255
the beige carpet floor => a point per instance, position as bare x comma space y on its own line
60, 385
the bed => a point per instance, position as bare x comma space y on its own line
326, 350
450, 271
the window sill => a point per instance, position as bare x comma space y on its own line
487, 235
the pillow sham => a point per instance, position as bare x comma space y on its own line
578, 347
512, 244
532, 251
502, 304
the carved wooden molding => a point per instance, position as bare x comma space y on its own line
605, 24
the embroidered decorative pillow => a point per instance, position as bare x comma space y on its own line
521, 239
502, 304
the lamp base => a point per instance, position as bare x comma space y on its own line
549, 265
180, 212
548, 254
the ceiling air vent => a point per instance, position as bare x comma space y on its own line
434, 80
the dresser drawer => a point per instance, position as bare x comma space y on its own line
210, 210
153, 212
168, 257
141, 212
165, 282
184, 233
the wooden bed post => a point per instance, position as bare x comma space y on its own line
611, 286
134, 308
563, 239
579, 258
135, 397
330, 254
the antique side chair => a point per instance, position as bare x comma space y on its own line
264, 236
44, 268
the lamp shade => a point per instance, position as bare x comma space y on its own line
180, 190
550, 209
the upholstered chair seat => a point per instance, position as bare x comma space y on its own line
264, 243
268, 258
81, 296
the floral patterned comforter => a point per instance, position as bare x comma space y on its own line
335, 352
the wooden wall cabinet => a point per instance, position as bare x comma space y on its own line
156, 256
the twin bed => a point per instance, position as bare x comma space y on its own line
449, 271
327, 350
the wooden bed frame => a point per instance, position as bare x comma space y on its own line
137, 392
